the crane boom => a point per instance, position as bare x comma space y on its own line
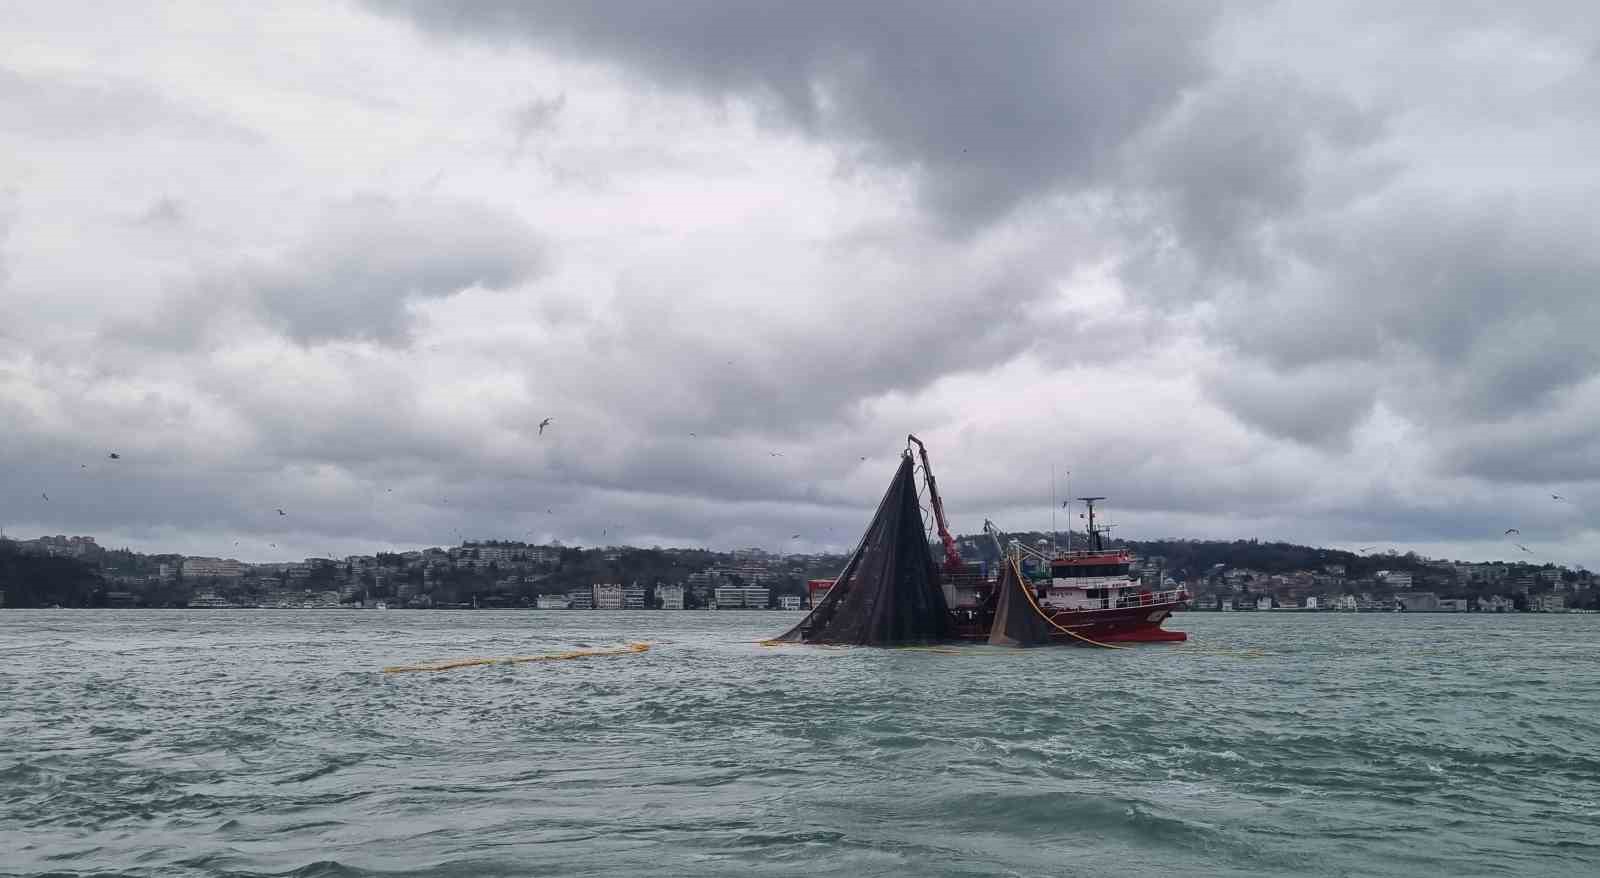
952, 555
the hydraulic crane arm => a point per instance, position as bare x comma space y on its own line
952, 555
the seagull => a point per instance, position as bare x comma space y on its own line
692, 434
45, 496
1512, 530
863, 457
1558, 498
114, 456
1523, 548
281, 512
549, 512
795, 537
83, 466
274, 545
774, 454
542, 424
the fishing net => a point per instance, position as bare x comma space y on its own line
889, 593
1017, 618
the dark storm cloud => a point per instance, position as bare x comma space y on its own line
991, 104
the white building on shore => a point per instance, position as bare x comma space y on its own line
608, 595
669, 597
748, 597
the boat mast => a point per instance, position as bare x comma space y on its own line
1094, 532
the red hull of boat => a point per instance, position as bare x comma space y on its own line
1126, 625
1122, 625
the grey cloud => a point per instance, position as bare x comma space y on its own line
991, 105
369, 256
534, 117
1316, 405
69, 106
165, 213
355, 272
8, 217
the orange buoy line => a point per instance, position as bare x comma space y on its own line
453, 664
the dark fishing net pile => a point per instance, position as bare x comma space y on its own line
889, 593
1017, 618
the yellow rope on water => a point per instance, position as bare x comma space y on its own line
452, 664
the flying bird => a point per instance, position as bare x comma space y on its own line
774, 454
1512, 530
542, 424
1558, 498
83, 466
114, 456
45, 496
863, 457
281, 512
795, 537
1523, 548
692, 434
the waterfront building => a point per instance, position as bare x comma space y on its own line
789, 602
733, 597
669, 597
580, 599
553, 602
633, 597
1453, 605
608, 596
1419, 601
1548, 603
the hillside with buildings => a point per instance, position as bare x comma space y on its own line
75, 571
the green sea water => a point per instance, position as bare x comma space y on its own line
187, 743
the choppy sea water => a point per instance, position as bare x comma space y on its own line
174, 743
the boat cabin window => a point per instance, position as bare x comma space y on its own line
1088, 570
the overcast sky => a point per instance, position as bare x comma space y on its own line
1325, 272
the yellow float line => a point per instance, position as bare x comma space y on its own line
452, 664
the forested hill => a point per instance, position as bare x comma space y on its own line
1194, 558
29, 579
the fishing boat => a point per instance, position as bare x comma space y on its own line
1085, 595
893, 592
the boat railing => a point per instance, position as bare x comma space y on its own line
1151, 598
